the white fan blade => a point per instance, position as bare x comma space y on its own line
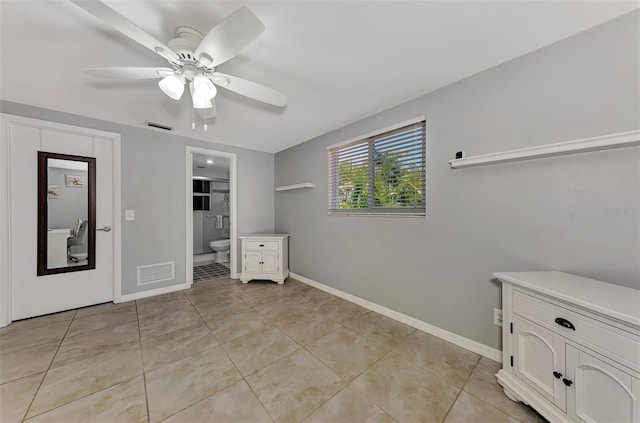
249, 89
128, 28
209, 112
129, 73
230, 36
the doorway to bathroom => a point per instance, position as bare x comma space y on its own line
211, 214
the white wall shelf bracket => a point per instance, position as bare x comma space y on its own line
296, 186
605, 142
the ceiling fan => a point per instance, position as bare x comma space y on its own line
194, 58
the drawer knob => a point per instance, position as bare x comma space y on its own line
557, 375
567, 381
565, 323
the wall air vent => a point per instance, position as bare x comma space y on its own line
159, 126
154, 273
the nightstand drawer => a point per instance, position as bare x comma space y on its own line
261, 245
582, 329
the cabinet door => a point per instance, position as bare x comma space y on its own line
252, 262
538, 353
270, 262
600, 392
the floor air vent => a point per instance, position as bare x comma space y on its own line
153, 273
159, 126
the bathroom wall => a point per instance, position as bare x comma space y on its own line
153, 184
554, 213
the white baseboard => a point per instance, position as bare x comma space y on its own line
458, 340
150, 293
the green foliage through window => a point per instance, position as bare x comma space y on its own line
381, 174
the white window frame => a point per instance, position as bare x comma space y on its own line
370, 212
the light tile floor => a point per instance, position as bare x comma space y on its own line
227, 352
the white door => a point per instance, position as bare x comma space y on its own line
32, 295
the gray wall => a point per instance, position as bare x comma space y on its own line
543, 214
153, 184
71, 203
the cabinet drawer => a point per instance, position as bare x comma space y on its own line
587, 331
261, 245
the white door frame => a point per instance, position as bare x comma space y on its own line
5, 204
233, 212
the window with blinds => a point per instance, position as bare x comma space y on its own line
380, 174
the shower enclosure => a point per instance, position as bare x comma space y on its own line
210, 212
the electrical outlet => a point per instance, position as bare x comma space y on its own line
497, 317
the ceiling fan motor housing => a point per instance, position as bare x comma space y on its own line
186, 42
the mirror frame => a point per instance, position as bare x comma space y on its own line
43, 177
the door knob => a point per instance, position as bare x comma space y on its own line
105, 229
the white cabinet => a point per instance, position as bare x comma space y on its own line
265, 256
571, 347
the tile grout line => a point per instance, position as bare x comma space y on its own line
256, 371
83, 396
48, 368
144, 373
359, 374
461, 390
228, 357
301, 346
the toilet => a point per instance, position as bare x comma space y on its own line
221, 248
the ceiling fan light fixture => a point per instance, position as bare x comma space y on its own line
172, 85
203, 87
200, 102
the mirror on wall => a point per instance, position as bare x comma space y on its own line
66, 213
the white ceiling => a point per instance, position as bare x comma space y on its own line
338, 61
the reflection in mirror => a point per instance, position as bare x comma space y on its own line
66, 213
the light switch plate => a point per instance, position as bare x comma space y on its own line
129, 215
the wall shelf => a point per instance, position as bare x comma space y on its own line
296, 186
623, 139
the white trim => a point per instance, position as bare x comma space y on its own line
5, 201
604, 142
456, 339
5, 227
151, 293
296, 186
117, 219
378, 132
233, 205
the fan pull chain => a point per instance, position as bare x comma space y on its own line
205, 119
193, 117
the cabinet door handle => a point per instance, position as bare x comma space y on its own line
261, 245
567, 381
565, 323
557, 375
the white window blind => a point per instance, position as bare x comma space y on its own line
381, 174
